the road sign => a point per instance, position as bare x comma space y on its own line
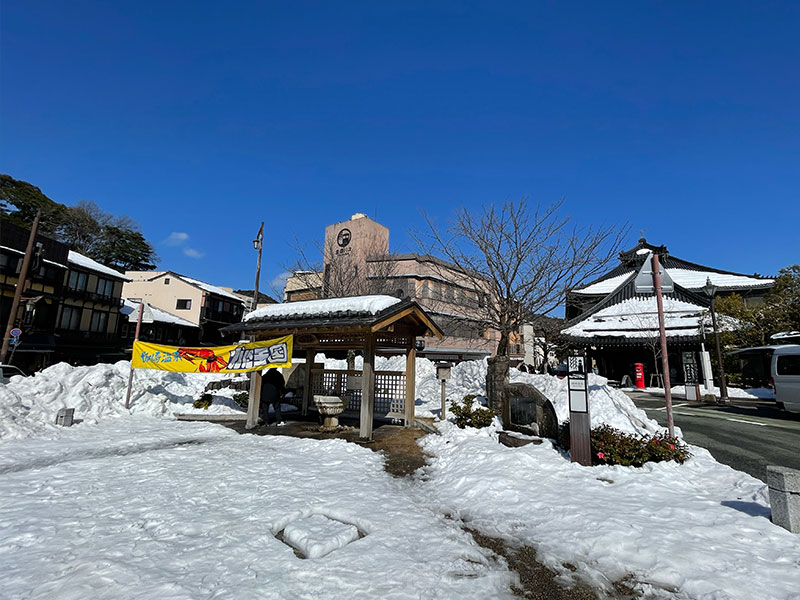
14, 340
16, 332
644, 279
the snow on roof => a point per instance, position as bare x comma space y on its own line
212, 289
686, 278
85, 262
50, 262
783, 335
606, 286
152, 313
638, 318
321, 308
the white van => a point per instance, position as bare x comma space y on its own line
785, 370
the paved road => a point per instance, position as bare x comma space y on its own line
748, 435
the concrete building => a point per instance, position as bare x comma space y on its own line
356, 261
205, 305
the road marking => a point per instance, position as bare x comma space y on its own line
713, 415
724, 419
673, 406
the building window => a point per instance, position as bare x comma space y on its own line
183, 304
220, 305
159, 334
70, 318
99, 322
105, 288
77, 281
124, 330
166, 280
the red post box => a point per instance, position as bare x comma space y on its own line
638, 369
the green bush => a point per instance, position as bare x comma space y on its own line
467, 416
611, 446
203, 402
242, 399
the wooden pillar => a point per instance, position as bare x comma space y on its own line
308, 392
411, 371
368, 387
253, 400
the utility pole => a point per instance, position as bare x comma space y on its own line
135, 339
258, 244
23, 276
254, 397
663, 335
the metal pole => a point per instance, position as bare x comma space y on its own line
135, 339
723, 386
23, 276
663, 334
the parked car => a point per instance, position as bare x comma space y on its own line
7, 371
785, 369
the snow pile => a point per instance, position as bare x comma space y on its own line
698, 530
28, 405
173, 510
606, 404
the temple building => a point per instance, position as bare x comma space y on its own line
617, 327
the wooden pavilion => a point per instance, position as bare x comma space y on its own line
335, 325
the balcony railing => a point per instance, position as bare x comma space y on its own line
88, 296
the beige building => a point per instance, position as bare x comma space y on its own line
207, 306
356, 262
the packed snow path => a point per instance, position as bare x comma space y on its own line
146, 508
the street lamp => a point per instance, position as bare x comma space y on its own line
257, 245
710, 289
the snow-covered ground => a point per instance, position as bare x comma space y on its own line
144, 508
128, 505
698, 530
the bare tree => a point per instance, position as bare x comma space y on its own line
522, 258
337, 274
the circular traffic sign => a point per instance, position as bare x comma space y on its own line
16, 332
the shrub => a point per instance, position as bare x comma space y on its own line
467, 416
611, 446
242, 399
203, 401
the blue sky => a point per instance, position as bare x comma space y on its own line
200, 119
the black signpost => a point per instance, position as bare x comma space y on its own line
690, 376
580, 445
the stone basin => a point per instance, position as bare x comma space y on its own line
330, 407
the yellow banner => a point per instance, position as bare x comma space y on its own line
239, 358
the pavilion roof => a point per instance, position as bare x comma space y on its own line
375, 313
